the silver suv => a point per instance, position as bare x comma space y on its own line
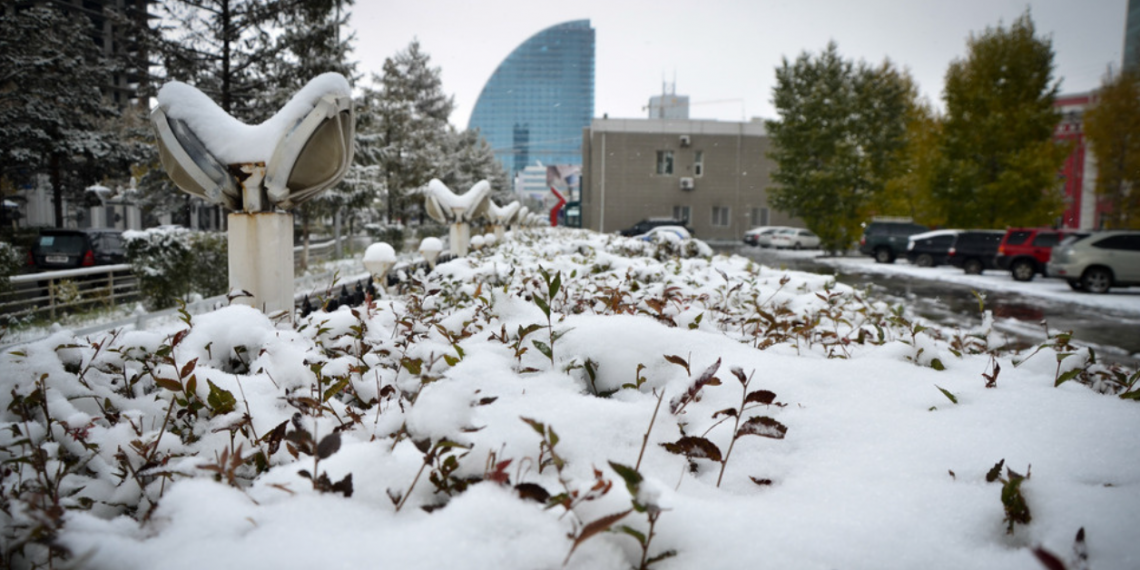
1098, 262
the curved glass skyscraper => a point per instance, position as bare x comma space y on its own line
539, 98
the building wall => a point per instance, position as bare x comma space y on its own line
537, 101
621, 186
1078, 173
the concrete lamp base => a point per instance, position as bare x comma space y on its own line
261, 260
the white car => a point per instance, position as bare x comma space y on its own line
794, 238
671, 233
764, 238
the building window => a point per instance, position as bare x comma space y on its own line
698, 163
720, 216
664, 162
681, 213
758, 217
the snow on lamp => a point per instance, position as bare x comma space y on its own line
502, 216
378, 259
254, 170
430, 248
444, 206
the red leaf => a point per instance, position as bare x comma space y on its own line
763, 427
761, 397
600, 525
169, 384
694, 448
188, 368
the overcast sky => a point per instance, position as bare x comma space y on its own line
723, 53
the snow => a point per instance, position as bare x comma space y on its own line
232, 141
431, 244
503, 215
380, 252
444, 205
877, 469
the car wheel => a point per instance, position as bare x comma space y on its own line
925, 260
1075, 285
1023, 270
1097, 280
883, 255
972, 267
796, 246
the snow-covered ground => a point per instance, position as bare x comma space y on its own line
503, 416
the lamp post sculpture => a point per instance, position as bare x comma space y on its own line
258, 172
444, 206
502, 216
378, 259
430, 248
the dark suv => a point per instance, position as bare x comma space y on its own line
886, 240
930, 249
57, 248
974, 250
1026, 251
649, 223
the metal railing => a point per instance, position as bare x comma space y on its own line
53, 293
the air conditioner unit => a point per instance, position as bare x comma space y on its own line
686, 183
685, 140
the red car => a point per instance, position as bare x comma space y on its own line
1025, 251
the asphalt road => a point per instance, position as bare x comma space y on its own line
1024, 311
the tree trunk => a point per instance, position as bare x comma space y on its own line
57, 190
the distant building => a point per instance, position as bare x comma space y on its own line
535, 104
669, 105
1132, 36
113, 40
714, 174
1082, 210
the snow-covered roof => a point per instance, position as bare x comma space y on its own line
232, 141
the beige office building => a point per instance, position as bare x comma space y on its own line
713, 173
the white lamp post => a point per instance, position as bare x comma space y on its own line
444, 206
378, 259
257, 170
430, 249
501, 217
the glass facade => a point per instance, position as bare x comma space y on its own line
1132, 36
536, 103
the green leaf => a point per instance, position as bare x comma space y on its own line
450, 360
631, 477
169, 384
335, 389
220, 401
937, 364
538, 300
947, 394
543, 348
555, 285
1067, 376
640, 538
1134, 395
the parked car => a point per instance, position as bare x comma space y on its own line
930, 249
752, 236
1097, 262
57, 248
647, 224
667, 232
1026, 251
794, 238
974, 250
886, 239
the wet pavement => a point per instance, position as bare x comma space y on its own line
1115, 335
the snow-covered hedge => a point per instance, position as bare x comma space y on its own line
566, 399
174, 263
11, 260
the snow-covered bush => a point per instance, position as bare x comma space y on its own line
11, 259
173, 263
492, 405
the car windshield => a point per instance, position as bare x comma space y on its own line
66, 243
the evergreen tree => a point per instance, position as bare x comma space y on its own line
1001, 161
53, 118
836, 142
471, 159
1112, 126
402, 128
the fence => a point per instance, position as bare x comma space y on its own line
53, 293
